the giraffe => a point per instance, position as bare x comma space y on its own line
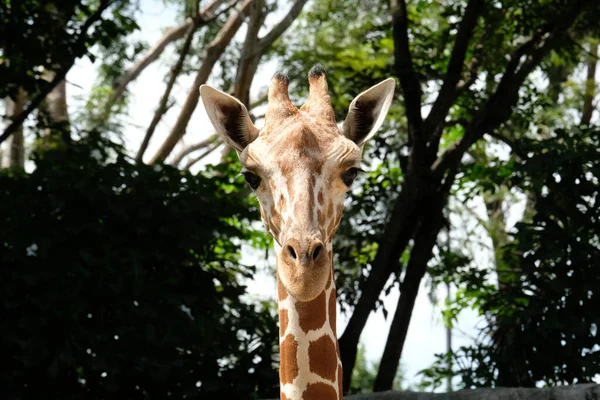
300, 165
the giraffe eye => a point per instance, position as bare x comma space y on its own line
349, 176
252, 179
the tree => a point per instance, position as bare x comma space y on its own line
431, 152
542, 322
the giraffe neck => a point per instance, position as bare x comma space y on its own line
310, 366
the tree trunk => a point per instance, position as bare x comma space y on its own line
14, 155
54, 113
394, 240
557, 75
212, 54
425, 239
590, 84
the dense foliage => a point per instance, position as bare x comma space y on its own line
121, 281
543, 323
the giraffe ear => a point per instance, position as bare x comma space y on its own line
229, 117
367, 112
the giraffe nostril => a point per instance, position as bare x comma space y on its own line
291, 252
317, 251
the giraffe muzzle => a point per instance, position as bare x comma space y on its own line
304, 268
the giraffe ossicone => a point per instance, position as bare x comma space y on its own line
300, 165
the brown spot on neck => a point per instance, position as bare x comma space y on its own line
322, 357
288, 366
319, 391
283, 321
312, 314
281, 292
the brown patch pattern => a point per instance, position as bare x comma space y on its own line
288, 368
312, 314
283, 321
275, 220
321, 217
320, 197
282, 396
281, 292
319, 391
323, 358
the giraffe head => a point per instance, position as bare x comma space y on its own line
300, 164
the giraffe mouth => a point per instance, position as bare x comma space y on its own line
304, 287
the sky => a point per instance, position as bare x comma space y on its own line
426, 334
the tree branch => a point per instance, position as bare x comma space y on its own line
499, 106
262, 99
254, 48
249, 57
472, 68
60, 74
447, 94
206, 152
425, 239
162, 106
190, 149
212, 54
399, 229
514, 146
409, 81
265, 42
172, 34
206, 15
